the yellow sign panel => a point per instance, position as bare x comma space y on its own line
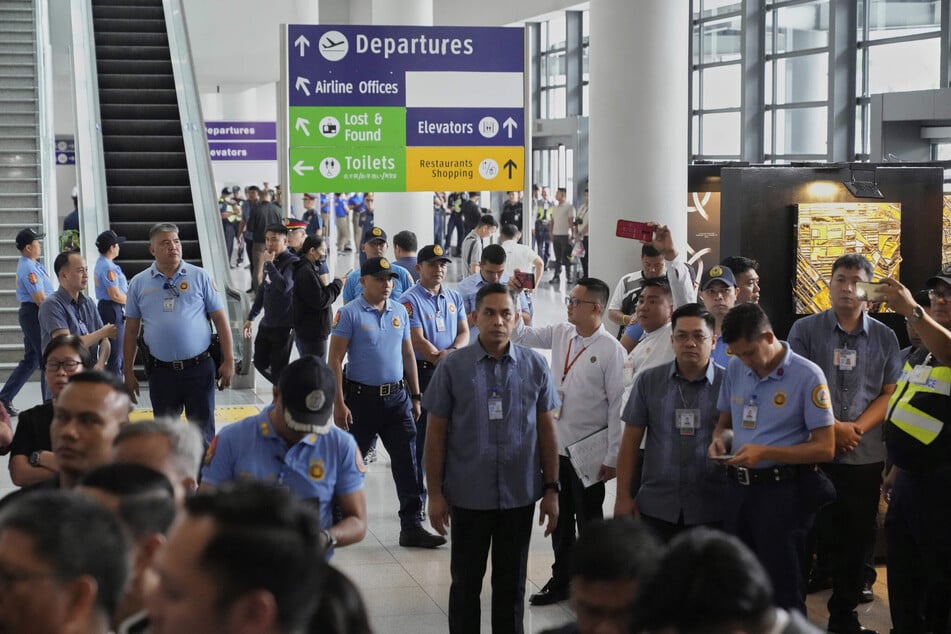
464, 168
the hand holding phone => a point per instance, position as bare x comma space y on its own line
871, 291
527, 280
635, 230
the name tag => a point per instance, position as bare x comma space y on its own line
845, 359
440, 323
687, 421
749, 415
495, 408
168, 304
920, 375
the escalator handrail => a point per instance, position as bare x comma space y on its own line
44, 103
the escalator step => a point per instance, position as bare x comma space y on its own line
153, 160
179, 213
140, 230
137, 80
115, 112
134, 25
125, 12
136, 96
106, 38
134, 177
141, 127
139, 250
126, 52
142, 144
124, 66
149, 194
126, 3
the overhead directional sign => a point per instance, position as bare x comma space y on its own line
404, 108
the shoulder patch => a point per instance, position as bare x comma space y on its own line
32, 277
336, 319
409, 308
210, 454
111, 275
820, 396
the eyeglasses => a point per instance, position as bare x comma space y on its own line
696, 337
574, 301
56, 366
942, 295
10, 577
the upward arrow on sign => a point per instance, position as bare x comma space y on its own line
509, 125
302, 42
510, 165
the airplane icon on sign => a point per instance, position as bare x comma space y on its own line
329, 43
334, 46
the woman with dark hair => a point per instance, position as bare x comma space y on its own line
313, 298
31, 456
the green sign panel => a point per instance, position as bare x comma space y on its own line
344, 169
369, 127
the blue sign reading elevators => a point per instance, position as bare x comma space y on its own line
367, 65
464, 126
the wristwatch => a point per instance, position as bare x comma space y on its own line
552, 486
916, 313
416, 397
331, 540
35, 459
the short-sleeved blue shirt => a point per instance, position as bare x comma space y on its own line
492, 464
469, 287
375, 349
78, 317
790, 402
174, 311
353, 289
877, 363
427, 311
31, 277
720, 355
106, 275
319, 466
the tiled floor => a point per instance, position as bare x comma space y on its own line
407, 590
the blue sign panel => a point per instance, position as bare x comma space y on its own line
464, 126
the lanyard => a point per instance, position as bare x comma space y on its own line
568, 366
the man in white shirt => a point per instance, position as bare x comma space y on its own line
658, 259
654, 308
562, 227
519, 257
587, 366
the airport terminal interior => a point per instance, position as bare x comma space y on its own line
618, 98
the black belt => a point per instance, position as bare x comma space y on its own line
183, 364
770, 474
373, 390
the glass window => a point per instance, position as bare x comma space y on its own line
695, 89
556, 69
904, 66
888, 18
557, 102
800, 78
768, 132
798, 27
861, 139
584, 101
696, 47
557, 30
801, 130
695, 135
721, 87
721, 40
721, 134
719, 7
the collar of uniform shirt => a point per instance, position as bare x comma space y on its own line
833, 322
708, 377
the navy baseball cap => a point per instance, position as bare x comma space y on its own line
943, 276
108, 238
308, 389
377, 267
432, 252
717, 273
26, 237
374, 234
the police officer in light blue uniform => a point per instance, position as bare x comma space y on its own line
374, 246
373, 331
111, 290
718, 291
491, 271
33, 286
174, 301
293, 443
437, 322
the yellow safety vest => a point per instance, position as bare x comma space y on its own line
907, 415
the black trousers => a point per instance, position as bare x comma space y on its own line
316, 346
577, 506
272, 350
845, 531
425, 370
584, 258
508, 532
919, 551
666, 531
562, 244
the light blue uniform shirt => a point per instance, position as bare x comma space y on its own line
469, 287
31, 277
877, 363
491, 464
375, 350
427, 311
319, 466
174, 312
106, 275
353, 289
719, 355
790, 402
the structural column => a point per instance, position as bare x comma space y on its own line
399, 211
638, 125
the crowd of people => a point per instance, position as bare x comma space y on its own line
748, 468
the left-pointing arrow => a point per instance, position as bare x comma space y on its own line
301, 84
302, 124
300, 168
302, 42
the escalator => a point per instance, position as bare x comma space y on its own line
146, 158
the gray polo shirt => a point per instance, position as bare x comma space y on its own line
79, 317
491, 464
877, 363
677, 476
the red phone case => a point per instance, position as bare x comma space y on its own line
635, 230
